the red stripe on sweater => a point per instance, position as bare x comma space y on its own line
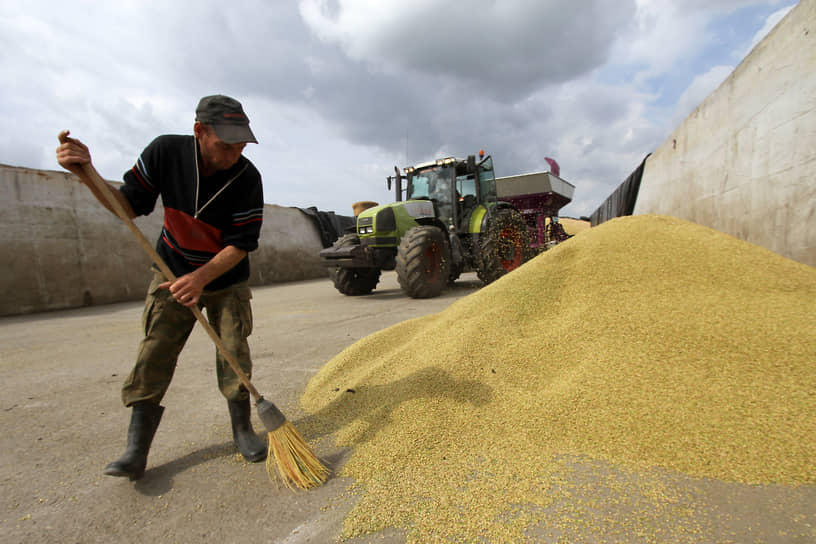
191, 233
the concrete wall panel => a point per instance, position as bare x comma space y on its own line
62, 249
744, 161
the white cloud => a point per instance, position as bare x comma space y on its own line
702, 86
339, 91
665, 32
772, 20
668, 31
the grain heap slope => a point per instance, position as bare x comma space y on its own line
646, 342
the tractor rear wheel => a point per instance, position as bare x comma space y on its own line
423, 262
504, 246
353, 281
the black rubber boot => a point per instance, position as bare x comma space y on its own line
251, 447
144, 420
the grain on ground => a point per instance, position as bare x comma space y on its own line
645, 343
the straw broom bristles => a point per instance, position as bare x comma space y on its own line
293, 459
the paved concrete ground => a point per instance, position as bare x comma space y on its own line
61, 421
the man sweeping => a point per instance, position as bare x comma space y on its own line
213, 210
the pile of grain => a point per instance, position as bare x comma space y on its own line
572, 226
645, 342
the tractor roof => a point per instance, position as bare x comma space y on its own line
439, 162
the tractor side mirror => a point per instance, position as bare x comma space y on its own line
471, 163
398, 179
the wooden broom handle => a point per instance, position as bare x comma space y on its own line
103, 187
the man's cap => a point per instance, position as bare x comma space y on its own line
227, 118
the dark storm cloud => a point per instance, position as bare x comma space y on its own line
505, 49
442, 79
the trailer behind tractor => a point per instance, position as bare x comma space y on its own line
539, 196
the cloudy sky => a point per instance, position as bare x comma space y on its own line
341, 91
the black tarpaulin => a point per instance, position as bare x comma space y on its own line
330, 225
622, 201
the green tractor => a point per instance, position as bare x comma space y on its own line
450, 222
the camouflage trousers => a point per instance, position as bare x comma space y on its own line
167, 325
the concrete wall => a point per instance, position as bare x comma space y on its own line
744, 162
63, 250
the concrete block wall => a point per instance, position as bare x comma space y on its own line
744, 162
62, 249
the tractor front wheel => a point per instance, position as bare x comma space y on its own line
353, 281
423, 262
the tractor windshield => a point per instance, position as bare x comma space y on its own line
435, 184
430, 183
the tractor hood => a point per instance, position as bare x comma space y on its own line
384, 225
418, 209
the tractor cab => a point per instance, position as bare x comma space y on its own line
456, 187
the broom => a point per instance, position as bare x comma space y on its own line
296, 463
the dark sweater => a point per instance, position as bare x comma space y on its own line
230, 206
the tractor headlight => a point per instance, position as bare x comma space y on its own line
366, 230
